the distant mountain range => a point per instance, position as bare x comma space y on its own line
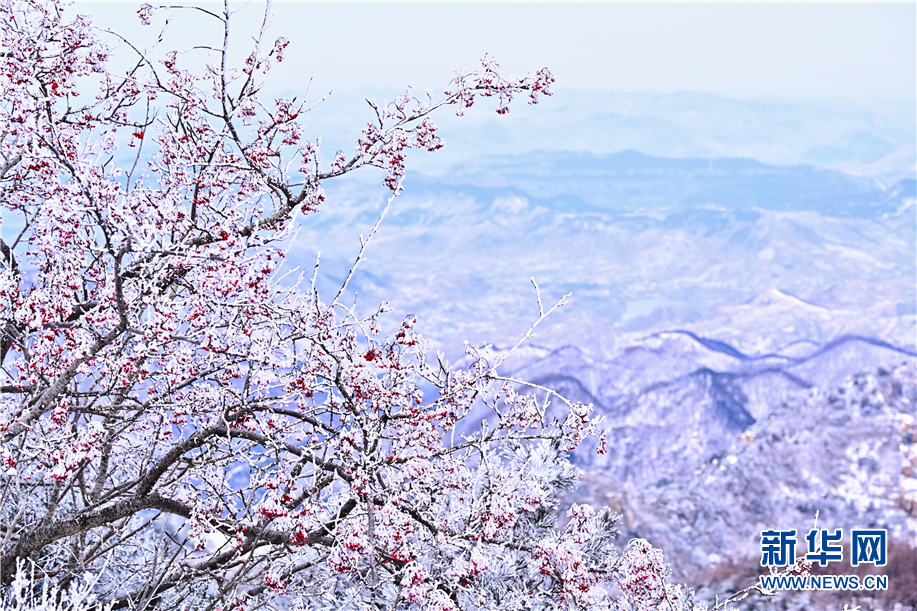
876, 142
749, 331
766, 254
630, 181
744, 309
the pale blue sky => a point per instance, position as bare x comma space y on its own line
861, 53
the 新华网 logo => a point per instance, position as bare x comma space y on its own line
865, 546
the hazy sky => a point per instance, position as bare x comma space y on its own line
847, 52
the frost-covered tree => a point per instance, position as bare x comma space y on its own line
186, 422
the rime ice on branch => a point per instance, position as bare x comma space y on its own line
181, 427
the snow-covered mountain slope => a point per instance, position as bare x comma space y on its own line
708, 445
717, 305
673, 399
723, 309
848, 452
